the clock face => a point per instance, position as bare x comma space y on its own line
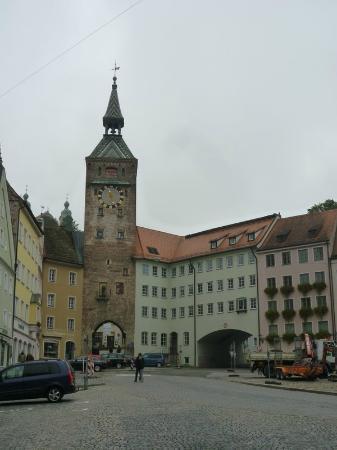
111, 197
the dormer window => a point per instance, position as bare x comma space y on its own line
251, 236
153, 250
232, 240
214, 244
282, 236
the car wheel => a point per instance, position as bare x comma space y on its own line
158, 364
97, 368
55, 394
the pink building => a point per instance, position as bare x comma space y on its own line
295, 279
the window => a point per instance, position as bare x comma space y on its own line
163, 313
52, 275
145, 311
163, 340
145, 289
182, 291
153, 250
210, 308
305, 302
155, 271
190, 289
154, 291
145, 269
286, 259
199, 267
153, 338
71, 324
230, 283
318, 253
232, 240
99, 234
287, 280
51, 300
210, 286
71, 302
289, 304
163, 272
72, 278
190, 268
303, 255
319, 277
230, 306
272, 305
229, 261
321, 300
323, 326
304, 278
251, 258
253, 304
102, 290
270, 260
252, 280
186, 338
174, 272
173, 313
181, 312
120, 234
289, 328
119, 212
119, 288
163, 292
144, 337
125, 272
181, 271
173, 292
200, 310
273, 330
219, 263
154, 313
241, 260
200, 288
241, 304
190, 311
220, 307
50, 322
209, 265
251, 236
214, 244
241, 282
50, 350
220, 285
271, 282
307, 327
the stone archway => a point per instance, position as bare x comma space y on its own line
70, 350
108, 337
216, 349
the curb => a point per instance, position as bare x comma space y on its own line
81, 386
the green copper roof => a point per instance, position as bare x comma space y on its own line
113, 118
112, 146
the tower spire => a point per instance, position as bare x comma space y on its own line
113, 119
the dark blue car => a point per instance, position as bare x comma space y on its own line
154, 360
51, 379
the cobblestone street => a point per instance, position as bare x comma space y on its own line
192, 410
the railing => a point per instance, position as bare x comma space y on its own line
102, 296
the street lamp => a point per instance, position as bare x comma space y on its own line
192, 268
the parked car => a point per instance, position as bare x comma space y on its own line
117, 360
154, 360
36, 379
78, 363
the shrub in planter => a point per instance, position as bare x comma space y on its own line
321, 310
304, 288
319, 286
289, 337
286, 290
322, 335
272, 315
271, 338
306, 312
288, 314
302, 335
271, 291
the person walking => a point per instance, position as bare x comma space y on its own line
22, 357
139, 364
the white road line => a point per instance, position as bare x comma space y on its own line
129, 375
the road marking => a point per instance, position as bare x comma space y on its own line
129, 375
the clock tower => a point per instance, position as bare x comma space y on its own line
110, 236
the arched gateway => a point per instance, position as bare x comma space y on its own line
109, 233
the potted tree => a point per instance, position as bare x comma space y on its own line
304, 288
306, 312
271, 291
319, 286
320, 311
288, 314
286, 290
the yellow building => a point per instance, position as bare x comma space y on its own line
28, 241
62, 288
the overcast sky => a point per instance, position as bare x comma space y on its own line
229, 106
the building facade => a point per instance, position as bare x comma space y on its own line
296, 290
28, 241
61, 334
7, 273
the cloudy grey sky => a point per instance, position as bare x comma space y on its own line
229, 106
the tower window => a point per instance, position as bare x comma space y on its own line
111, 171
119, 212
120, 234
99, 234
123, 171
119, 288
125, 272
102, 289
100, 212
99, 171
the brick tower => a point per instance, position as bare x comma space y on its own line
110, 232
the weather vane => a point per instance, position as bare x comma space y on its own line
115, 69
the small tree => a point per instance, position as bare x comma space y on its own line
286, 290
321, 310
288, 314
304, 288
272, 315
271, 291
306, 312
289, 337
324, 206
319, 286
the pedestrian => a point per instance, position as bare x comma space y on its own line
29, 357
139, 364
22, 357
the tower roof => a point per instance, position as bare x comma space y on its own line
112, 146
113, 118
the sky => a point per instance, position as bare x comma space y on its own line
230, 106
